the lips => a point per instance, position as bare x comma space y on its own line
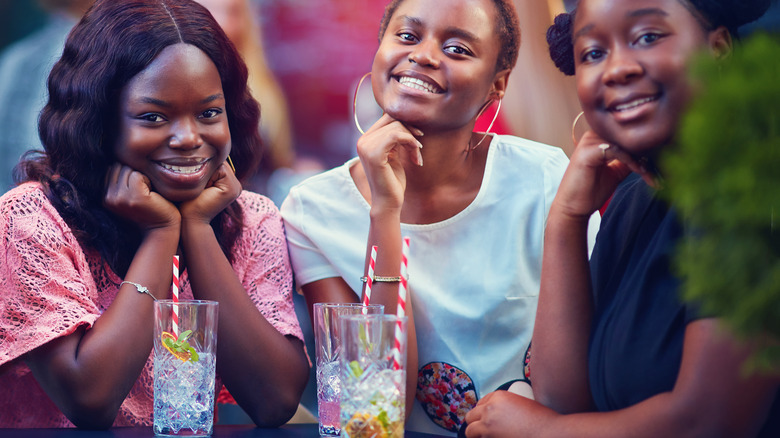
419, 84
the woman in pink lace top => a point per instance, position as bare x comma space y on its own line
145, 105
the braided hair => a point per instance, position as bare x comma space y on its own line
730, 14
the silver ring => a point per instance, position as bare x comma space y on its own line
604, 147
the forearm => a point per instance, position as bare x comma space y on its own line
265, 371
89, 373
563, 319
385, 233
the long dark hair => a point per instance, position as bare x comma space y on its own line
112, 43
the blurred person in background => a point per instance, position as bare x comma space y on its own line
24, 66
238, 20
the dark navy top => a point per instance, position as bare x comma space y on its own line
639, 321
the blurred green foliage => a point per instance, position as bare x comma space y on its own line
724, 179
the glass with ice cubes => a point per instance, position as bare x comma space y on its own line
185, 348
373, 376
327, 340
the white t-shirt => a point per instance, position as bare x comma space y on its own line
474, 278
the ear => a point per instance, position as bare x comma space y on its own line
720, 43
500, 81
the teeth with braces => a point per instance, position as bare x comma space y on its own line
183, 169
634, 104
418, 84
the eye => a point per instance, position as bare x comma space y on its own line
151, 117
647, 38
406, 36
592, 55
457, 50
211, 113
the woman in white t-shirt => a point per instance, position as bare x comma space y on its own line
473, 205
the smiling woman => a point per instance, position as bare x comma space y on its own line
146, 103
473, 204
616, 351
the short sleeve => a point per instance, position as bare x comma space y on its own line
47, 289
308, 261
264, 262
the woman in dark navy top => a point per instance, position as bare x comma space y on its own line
616, 353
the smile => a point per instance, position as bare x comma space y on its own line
184, 170
633, 104
419, 84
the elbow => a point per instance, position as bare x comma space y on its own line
91, 416
562, 403
277, 413
285, 402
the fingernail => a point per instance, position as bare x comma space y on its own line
419, 133
419, 157
419, 145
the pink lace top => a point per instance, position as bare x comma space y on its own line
51, 286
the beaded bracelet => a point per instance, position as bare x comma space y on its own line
139, 288
380, 279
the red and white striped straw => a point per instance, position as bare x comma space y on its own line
401, 311
369, 279
175, 295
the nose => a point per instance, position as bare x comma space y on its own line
185, 135
621, 67
425, 54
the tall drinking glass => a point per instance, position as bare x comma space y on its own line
184, 367
327, 340
373, 376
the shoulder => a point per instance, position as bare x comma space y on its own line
256, 208
328, 179
25, 199
329, 191
522, 150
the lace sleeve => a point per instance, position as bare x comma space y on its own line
265, 269
47, 289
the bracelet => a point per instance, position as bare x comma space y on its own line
139, 288
380, 279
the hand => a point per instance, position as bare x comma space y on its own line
383, 151
129, 195
221, 190
594, 172
504, 414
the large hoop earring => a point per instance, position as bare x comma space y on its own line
490, 126
574, 125
354, 102
230, 163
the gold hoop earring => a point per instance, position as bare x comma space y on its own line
354, 102
495, 116
574, 125
230, 163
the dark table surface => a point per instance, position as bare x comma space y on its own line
220, 431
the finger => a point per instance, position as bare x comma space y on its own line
612, 153
379, 124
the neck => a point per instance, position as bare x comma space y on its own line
448, 159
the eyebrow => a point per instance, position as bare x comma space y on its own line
454, 31
631, 14
158, 102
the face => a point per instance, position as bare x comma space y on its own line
173, 126
436, 63
631, 68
